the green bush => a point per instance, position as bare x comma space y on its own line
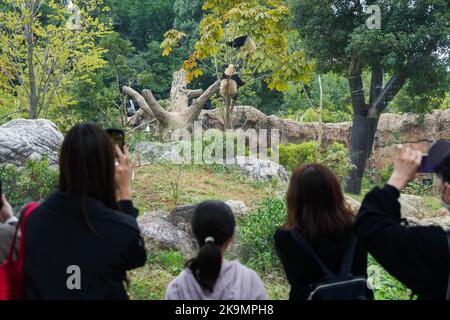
311, 115
335, 157
257, 231
388, 287
34, 182
293, 155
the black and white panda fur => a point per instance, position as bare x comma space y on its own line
230, 83
244, 43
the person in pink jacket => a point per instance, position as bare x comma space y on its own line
208, 276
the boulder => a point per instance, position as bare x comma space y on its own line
161, 234
414, 209
353, 204
22, 140
181, 216
155, 152
261, 169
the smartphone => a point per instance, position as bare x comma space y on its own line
117, 137
426, 166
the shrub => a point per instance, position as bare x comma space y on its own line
311, 115
336, 158
34, 182
256, 234
293, 155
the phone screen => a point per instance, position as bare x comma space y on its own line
117, 137
426, 165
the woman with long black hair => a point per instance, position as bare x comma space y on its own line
208, 276
80, 242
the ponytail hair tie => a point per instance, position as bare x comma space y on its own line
209, 240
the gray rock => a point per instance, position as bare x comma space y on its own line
161, 234
238, 207
22, 140
262, 170
155, 152
181, 217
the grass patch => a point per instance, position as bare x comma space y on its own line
164, 186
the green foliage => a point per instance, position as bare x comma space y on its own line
337, 106
390, 288
44, 50
34, 182
311, 115
171, 261
411, 35
337, 159
257, 231
293, 155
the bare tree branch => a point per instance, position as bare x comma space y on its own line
139, 99
197, 104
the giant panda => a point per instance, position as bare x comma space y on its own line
245, 43
230, 83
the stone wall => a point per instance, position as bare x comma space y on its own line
393, 129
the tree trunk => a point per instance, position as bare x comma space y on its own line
366, 117
180, 114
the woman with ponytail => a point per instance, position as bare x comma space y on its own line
208, 276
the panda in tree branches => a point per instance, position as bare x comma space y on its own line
230, 83
244, 43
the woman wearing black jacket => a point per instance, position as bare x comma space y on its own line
81, 241
318, 211
418, 256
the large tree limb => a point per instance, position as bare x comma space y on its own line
389, 92
197, 104
154, 105
136, 96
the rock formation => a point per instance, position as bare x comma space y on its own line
22, 140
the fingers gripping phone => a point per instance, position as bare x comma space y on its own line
117, 137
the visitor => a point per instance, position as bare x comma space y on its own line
318, 215
418, 256
80, 242
209, 276
7, 228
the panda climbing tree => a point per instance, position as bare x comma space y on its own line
243, 39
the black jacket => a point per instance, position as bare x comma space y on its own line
57, 237
417, 256
302, 271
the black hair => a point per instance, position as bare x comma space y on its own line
86, 167
212, 219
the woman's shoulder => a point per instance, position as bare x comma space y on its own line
282, 236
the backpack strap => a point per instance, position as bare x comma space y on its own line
302, 242
25, 212
448, 285
347, 263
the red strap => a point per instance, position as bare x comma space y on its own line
26, 211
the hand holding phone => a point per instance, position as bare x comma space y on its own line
117, 138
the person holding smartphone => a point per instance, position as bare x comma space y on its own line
418, 256
81, 241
